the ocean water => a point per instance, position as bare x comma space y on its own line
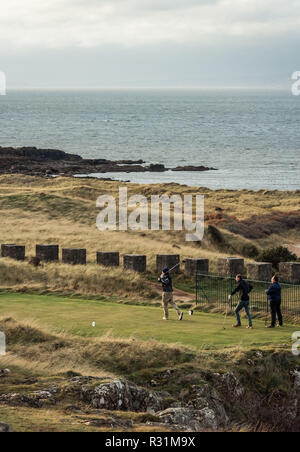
253, 138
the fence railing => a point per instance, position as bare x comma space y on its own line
212, 291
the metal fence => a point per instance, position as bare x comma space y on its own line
212, 292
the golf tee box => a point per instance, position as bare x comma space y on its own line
290, 272
135, 262
13, 251
47, 253
108, 259
231, 266
74, 256
194, 266
259, 271
167, 260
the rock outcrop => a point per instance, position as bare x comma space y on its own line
190, 419
122, 395
52, 162
36, 399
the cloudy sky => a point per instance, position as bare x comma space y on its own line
149, 43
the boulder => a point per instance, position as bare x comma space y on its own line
35, 399
190, 419
296, 375
205, 397
230, 385
122, 395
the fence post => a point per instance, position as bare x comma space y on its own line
2, 344
231, 289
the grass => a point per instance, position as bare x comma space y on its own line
63, 211
202, 331
58, 420
51, 338
48, 311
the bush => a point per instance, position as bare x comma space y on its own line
249, 250
276, 255
215, 236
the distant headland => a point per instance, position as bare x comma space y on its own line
52, 162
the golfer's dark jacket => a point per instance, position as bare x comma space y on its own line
244, 289
166, 283
274, 292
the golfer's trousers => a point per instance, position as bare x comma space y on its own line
167, 298
276, 311
243, 305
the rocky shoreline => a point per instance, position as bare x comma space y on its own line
51, 162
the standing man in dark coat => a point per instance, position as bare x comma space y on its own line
244, 289
274, 297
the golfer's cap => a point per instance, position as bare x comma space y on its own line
165, 270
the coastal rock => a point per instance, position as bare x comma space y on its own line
205, 397
193, 168
122, 395
51, 162
157, 168
33, 153
190, 419
35, 399
230, 385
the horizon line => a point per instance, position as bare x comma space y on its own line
149, 88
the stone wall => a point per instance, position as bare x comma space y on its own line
290, 272
74, 256
47, 253
192, 266
135, 262
13, 251
231, 266
111, 259
167, 260
259, 271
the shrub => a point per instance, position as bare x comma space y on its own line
276, 255
215, 236
249, 250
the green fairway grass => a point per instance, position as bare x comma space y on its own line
73, 316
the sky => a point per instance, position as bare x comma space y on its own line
149, 43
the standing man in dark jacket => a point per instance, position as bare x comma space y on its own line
244, 289
274, 297
167, 296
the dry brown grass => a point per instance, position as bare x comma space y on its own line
41, 350
86, 280
63, 211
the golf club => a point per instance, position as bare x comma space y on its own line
226, 314
267, 313
177, 265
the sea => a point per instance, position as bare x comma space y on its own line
251, 137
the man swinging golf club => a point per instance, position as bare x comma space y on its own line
244, 289
167, 296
